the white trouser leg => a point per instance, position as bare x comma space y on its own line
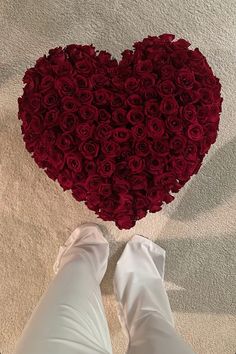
144, 306
70, 317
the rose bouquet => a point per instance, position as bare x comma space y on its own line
122, 136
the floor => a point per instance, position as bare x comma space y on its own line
197, 230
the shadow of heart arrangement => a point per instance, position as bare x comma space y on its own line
122, 136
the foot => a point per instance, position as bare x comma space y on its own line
86, 241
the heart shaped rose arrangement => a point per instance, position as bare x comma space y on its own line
123, 136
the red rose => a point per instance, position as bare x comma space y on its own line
32, 79
50, 100
167, 71
56, 56
127, 56
79, 193
142, 148
134, 100
189, 113
124, 221
88, 112
84, 96
89, 149
203, 114
179, 164
169, 105
181, 43
166, 88
109, 204
139, 131
104, 57
93, 183
120, 135
56, 159
43, 66
166, 37
147, 80
103, 131
188, 96
132, 84
40, 155
82, 82
125, 151
156, 128
143, 66
185, 78
35, 101
106, 167
168, 180
48, 138
84, 131
101, 97
93, 200
190, 152
214, 111
195, 132
139, 182
116, 101
140, 204
70, 104
119, 116
84, 67
155, 198
152, 109
136, 164
81, 178
68, 122
103, 115
51, 118
179, 58
105, 189
168, 198
47, 83
74, 162
105, 215
35, 125
206, 95
117, 83
65, 86
90, 167
65, 142
161, 57
155, 164
65, 179
120, 184
211, 131
148, 93
159, 147
174, 123
205, 146
110, 148
135, 116
99, 81
178, 144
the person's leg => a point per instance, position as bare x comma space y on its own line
70, 317
144, 306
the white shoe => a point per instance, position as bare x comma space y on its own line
86, 241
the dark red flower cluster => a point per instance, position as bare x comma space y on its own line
122, 136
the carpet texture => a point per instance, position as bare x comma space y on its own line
36, 216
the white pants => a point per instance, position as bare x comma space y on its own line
70, 317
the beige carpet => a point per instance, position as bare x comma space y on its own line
198, 229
